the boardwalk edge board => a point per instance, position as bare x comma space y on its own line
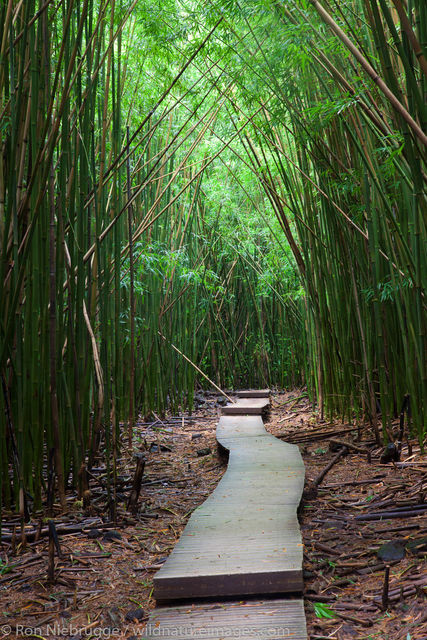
261, 583
243, 541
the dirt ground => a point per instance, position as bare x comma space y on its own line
102, 583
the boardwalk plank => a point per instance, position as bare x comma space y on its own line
253, 393
246, 406
265, 620
234, 426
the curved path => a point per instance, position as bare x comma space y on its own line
244, 540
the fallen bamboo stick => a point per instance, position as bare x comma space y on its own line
328, 467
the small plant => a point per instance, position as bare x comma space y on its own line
5, 568
323, 611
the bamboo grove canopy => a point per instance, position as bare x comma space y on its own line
241, 182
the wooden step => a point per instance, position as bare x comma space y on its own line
244, 539
261, 619
246, 406
253, 393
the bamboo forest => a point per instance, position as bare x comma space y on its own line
198, 198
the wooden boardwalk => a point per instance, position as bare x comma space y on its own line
244, 540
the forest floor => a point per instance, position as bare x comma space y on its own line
102, 585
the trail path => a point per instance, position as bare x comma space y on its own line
244, 540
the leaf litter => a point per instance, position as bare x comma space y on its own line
103, 580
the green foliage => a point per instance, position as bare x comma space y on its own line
323, 611
276, 216
5, 568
